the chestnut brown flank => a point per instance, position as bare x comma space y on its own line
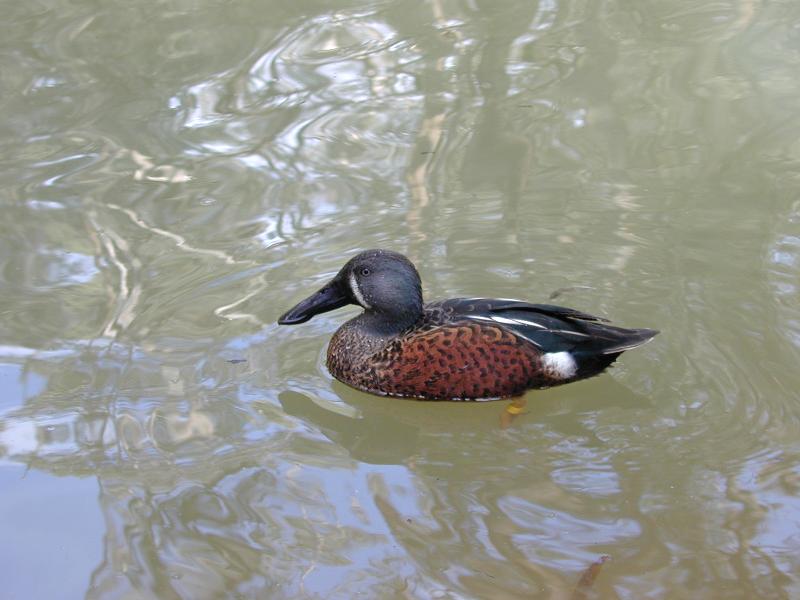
450, 362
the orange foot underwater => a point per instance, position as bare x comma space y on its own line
458, 349
512, 411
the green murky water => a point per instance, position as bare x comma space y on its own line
174, 175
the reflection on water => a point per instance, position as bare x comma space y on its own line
170, 185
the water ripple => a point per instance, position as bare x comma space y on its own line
172, 181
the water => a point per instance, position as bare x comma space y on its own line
173, 176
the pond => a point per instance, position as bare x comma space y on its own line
176, 175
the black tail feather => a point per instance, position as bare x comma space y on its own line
590, 365
607, 347
620, 339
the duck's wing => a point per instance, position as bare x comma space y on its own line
550, 328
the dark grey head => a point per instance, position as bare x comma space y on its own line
385, 283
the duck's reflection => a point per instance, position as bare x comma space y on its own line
385, 430
358, 432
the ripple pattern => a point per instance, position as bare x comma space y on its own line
172, 177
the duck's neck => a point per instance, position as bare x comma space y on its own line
381, 325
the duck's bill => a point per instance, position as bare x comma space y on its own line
330, 297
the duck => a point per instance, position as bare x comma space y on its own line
455, 349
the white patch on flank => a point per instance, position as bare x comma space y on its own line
357, 292
560, 364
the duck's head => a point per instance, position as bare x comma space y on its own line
384, 283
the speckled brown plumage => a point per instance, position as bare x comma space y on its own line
458, 349
459, 361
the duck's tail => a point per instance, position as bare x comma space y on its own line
608, 344
620, 339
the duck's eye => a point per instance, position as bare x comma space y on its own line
365, 272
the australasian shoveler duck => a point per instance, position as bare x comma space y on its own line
458, 349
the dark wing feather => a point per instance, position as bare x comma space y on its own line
546, 309
550, 328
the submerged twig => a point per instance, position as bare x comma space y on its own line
583, 591
572, 288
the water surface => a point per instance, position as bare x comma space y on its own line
174, 175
